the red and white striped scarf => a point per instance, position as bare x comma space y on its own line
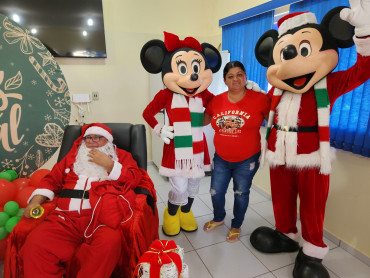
188, 133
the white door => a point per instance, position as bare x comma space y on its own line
156, 84
217, 87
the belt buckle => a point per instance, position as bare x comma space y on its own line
83, 195
286, 128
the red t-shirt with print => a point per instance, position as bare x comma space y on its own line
237, 125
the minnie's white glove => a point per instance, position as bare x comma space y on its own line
251, 85
166, 133
358, 16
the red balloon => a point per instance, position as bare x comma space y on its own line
23, 195
21, 183
37, 177
2, 248
7, 192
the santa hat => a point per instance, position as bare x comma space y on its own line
294, 20
95, 128
98, 129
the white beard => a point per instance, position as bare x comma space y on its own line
83, 166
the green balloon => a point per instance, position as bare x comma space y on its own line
13, 174
11, 208
20, 212
3, 218
11, 223
3, 232
5, 176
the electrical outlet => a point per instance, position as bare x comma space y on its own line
95, 95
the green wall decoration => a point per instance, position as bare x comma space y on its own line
35, 103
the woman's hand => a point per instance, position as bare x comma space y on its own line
101, 159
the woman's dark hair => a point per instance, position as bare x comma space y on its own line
233, 64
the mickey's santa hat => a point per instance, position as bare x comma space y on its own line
294, 20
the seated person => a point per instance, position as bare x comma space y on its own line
94, 182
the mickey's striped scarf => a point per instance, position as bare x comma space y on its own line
188, 132
323, 114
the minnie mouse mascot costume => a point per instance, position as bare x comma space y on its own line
300, 58
187, 68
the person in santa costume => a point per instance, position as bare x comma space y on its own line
94, 185
300, 59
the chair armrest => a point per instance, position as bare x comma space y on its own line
149, 197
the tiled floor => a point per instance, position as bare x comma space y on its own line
209, 255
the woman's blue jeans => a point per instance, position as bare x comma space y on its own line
242, 173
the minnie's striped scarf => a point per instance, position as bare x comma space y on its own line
188, 132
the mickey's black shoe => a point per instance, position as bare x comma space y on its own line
267, 240
309, 267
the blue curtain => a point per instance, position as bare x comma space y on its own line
350, 117
240, 39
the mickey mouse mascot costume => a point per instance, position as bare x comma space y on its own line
187, 68
300, 58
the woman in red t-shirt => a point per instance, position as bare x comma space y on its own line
236, 116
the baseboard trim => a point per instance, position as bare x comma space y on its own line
262, 192
354, 252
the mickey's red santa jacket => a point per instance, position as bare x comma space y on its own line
301, 150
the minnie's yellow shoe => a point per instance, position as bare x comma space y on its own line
171, 223
188, 222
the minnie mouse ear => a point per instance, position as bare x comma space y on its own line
212, 56
152, 55
341, 30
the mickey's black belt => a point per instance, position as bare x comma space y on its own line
74, 193
296, 129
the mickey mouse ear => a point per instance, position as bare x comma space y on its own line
341, 30
152, 55
212, 56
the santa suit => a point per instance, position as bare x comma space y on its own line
296, 160
72, 224
185, 183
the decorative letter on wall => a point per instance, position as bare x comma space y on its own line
34, 100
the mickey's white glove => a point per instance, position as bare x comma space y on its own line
358, 16
251, 85
166, 133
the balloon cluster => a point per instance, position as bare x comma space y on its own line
9, 218
14, 194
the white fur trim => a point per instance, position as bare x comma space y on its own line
362, 46
314, 251
43, 192
67, 170
288, 109
116, 171
296, 21
326, 159
96, 130
296, 237
157, 129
